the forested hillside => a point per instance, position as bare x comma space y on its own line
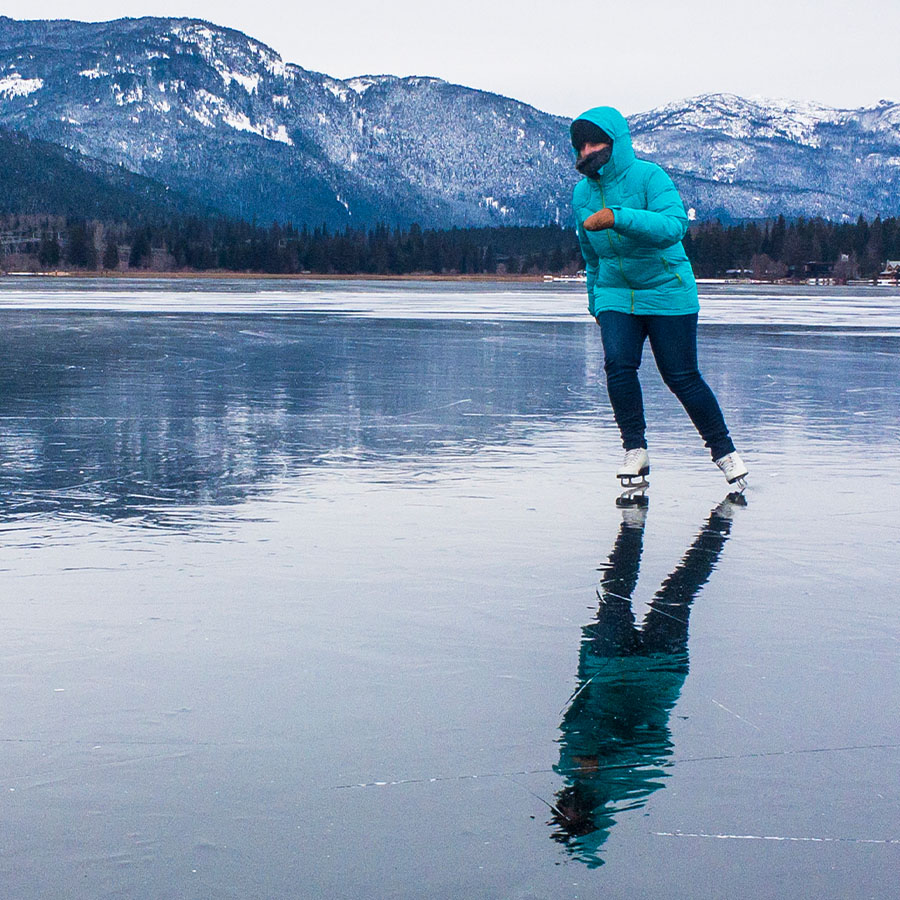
43, 178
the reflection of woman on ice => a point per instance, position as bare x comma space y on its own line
615, 742
640, 285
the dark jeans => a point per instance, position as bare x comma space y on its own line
673, 340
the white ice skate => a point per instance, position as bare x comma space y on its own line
734, 469
634, 469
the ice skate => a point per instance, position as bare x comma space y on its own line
733, 468
634, 469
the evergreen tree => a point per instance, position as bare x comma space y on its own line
490, 259
873, 260
111, 253
49, 252
777, 238
140, 250
81, 250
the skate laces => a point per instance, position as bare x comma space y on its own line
729, 463
632, 455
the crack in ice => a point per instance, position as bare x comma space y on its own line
774, 837
668, 765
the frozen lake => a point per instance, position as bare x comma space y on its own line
320, 590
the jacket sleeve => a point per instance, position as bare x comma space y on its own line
591, 260
662, 223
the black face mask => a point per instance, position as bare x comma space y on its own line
591, 164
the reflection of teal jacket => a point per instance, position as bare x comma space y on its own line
637, 266
615, 744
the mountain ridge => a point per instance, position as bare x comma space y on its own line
221, 116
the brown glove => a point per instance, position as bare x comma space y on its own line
600, 220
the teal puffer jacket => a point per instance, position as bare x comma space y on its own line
639, 265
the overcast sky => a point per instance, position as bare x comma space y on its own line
565, 57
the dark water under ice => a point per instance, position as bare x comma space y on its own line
334, 600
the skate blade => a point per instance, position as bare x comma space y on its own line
740, 483
635, 481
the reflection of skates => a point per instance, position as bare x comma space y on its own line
634, 469
727, 508
634, 497
733, 469
635, 516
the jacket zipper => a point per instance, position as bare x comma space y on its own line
612, 247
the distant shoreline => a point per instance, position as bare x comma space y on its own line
270, 276
480, 278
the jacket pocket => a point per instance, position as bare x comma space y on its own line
670, 270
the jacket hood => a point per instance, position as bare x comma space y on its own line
614, 124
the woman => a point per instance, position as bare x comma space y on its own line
640, 285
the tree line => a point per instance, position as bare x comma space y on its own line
771, 249
235, 246
779, 249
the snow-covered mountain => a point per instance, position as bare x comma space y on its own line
737, 158
210, 111
220, 116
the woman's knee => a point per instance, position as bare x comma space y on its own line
616, 365
683, 381
621, 357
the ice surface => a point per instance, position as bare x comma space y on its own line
817, 307
334, 599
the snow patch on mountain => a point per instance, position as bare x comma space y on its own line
250, 83
268, 130
492, 203
206, 108
209, 108
338, 88
133, 94
198, 34
361, 84
272, 62
14, 85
